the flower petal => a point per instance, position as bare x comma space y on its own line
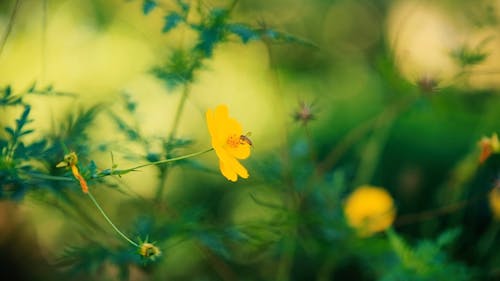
225, 125
231, 164
240, 152
227, 172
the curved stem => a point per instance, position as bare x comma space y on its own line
109, 221
8, 29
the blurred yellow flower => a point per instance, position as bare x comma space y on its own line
369, 209
149, 251
70, 160
228, 142
495, 202
488, 147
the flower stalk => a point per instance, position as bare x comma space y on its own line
109, 220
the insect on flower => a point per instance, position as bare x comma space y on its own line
229, 143
246, 139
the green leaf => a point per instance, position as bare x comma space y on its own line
171, 21
448, 237
26, 132
184, 6
10, 131
148, 6
8, 91
245, 33
468, 57
178, 69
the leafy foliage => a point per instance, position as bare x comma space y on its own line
467, 56
213, 29
426, 261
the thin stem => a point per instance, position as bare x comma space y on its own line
218, 264
48, 177
233, 4
175, 125
44, 41
430, 214
172, 159
178, 113
109, 221
125, 171
8, 29
361, 130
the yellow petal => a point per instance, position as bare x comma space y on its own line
240, 152
234, 164
225, 125
227, 172
231, 164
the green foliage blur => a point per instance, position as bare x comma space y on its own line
336, 94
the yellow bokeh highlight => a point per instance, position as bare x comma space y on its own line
494, 198
422, 36
369, 209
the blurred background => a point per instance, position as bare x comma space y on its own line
337, 94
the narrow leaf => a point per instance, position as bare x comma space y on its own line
244, 32
10, 131
171, 21
148, 6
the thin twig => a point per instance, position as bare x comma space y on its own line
109, 221
10, 23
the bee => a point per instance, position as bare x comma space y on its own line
246, 139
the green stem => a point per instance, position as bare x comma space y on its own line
178, 113
125, 171
44, 41
171, 159
109, 221
10, 23
48, 177
175, 125
233, 4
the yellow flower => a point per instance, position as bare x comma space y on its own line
228, 142
488, 147
149, 251
495, 202
70, 160
369, 209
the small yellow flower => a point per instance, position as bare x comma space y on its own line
488, 147
495, 202
369, 209
228, 142
70, 160
149, 251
